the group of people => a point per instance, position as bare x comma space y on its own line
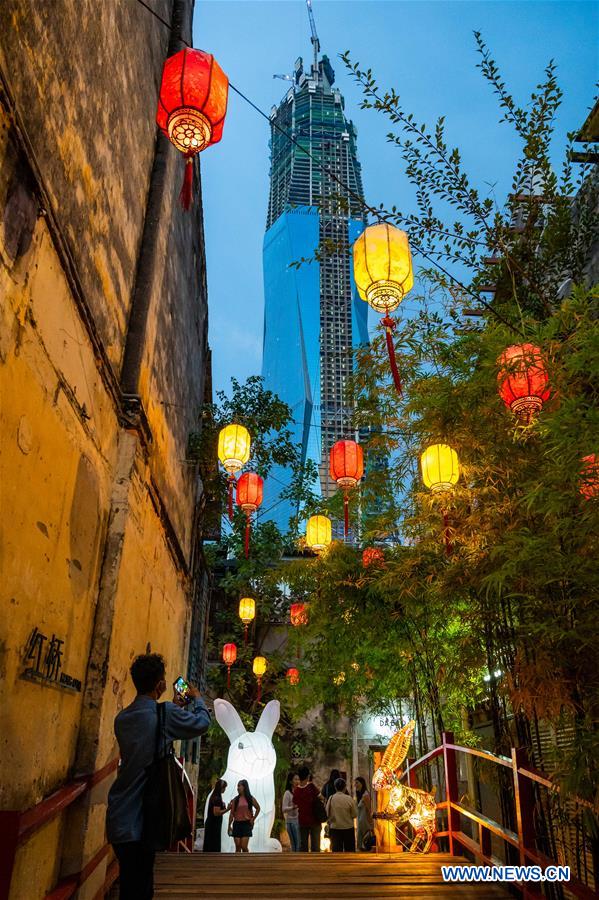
302, 803
243, 810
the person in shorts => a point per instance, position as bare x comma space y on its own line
243, 810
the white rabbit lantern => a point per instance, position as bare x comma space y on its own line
251, 756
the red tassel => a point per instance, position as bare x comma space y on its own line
187, 188
245, 635
389, 324
247, 537
345, 514
230, 501
259, 690
448, 547
228, 676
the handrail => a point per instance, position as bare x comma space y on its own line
523, 840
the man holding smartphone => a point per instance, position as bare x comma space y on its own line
135, 729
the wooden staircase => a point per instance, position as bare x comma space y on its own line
307, 876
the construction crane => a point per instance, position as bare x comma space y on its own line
314, 38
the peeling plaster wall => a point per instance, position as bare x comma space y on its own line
96, 518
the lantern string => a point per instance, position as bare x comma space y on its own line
163, 21
376, 213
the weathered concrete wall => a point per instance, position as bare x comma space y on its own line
97, 507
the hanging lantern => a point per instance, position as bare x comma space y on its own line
250, 490
440, 472
229, 657
318, 533
383, 275
373, 556
234, 444
259, 668
192, 105
298, 614
247, 613
293, 676
346, 468
589, 476
522, 380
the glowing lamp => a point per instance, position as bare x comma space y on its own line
247, 613
259, 668
522, 380
234, 444
589, 476
440, 472
229, 657
318, 533
346, 468
383, 275
298, 613
383, 266
250, 491
440, 467
192, 105
373, 556
293, 676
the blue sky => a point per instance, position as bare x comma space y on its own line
426, 51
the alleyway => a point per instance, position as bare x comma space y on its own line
302, 876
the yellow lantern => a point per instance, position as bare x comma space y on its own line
234, 444
383, 266
247, 612
440, 467
318, 532
259, 668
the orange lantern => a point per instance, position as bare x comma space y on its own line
346, 468
589, 476
229, 657
192, 105
373, 556
298, 613
293, 676
522, 380
250, 491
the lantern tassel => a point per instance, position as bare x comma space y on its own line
186, 194
345, 514
247, 537
259, 690
230, 497
389, 324
448, 547
245, 635
228, 677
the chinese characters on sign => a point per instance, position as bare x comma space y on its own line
43, 661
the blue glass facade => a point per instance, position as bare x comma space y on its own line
313, 317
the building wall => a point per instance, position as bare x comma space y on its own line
98, 506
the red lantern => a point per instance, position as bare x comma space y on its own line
293, 676
523, 380
192, 105
250, 490
298, 613
589, 476
346, 468
229, 657
373, 556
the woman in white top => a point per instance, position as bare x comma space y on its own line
290, 812
365, 820
341, 812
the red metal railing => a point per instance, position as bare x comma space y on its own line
16, 826
524, 777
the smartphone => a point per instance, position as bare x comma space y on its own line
181, 687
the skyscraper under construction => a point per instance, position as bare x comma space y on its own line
313, 317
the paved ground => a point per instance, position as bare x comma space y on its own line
303, 876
